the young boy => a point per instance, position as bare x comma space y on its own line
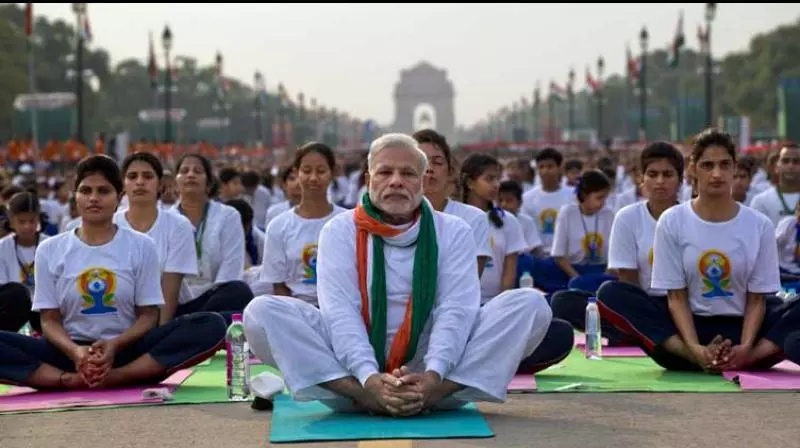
510, 199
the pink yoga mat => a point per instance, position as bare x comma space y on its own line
522, 383
27, 399
783, 376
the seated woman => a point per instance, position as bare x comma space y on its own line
580, 243
98, 293
290, 247
718, 262
630, 249
218, 241
291, 191
142, 173
253, 237
787, 233
437, 187
480, 183
17, 255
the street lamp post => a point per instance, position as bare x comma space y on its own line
711, 11
80, 13
166, 42
643, 38
600, 65
571, 104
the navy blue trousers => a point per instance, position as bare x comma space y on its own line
570, 305
556, 345
15, 306
226, 299
183, 342
648, 321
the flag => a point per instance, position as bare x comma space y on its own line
677, 43
633, 65
593, 84
702, 38
28, 20
152, 68
557, 92
85, 28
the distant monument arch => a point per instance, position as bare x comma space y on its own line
424, 98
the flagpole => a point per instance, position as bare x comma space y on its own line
32, 84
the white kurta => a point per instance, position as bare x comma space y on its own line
479, 348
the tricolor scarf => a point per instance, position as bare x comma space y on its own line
423, 289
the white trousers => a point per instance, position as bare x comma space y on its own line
289, 334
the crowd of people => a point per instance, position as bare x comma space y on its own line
394, 288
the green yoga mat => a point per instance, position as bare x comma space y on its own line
207, 383
294, 421
578, 374
4, 388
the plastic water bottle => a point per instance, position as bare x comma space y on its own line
594, 338
238, 361
526, 281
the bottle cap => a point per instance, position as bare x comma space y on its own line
237, 317
592, 299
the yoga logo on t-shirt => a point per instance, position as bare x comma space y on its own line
26, 274
592, 248
715, 270
489, 263
650, 257
97, 287
309, 258
547, 220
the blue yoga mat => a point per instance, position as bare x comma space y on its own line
294, 421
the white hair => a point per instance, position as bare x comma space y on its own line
397, 140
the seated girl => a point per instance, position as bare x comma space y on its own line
218, 241
17, 255
291, 191
787, 233
582, 229
290, 248
480, 183
718, 262
142, 173
630, 249
98, 293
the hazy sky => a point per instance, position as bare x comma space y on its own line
349, 56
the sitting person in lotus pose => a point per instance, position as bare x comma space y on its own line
98, 289
399, 327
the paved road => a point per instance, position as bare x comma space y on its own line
581, 420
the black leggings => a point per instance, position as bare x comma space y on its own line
15, 307
226, 299
648, 321
180, 343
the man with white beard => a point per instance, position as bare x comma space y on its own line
400, 328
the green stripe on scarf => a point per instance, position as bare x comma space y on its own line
423, 289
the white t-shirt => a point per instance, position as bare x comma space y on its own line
476, 218
719, 262
173, 235
786, 234
582, 239
504, 241
631, 243
543, 207
529, 231
290, 253
769, 203
625, 199
222, 251
17, 262
261, 200
97, 288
